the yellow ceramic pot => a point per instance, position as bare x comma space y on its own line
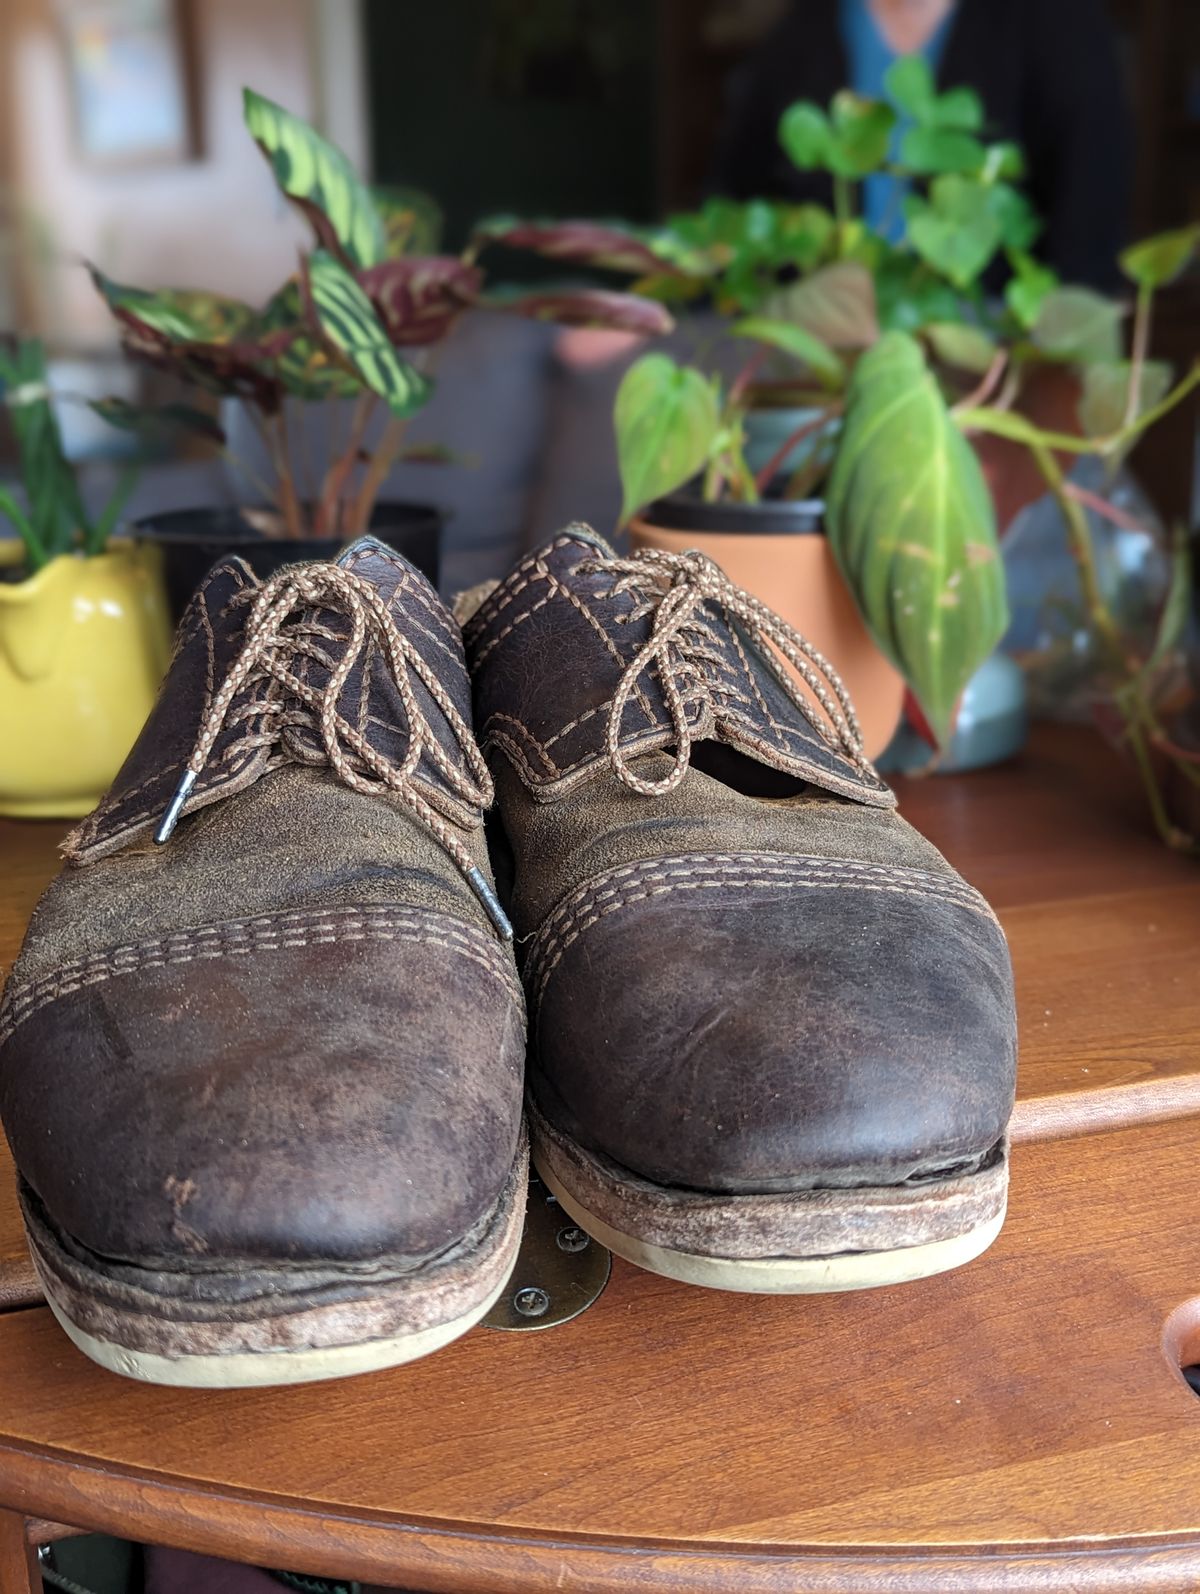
83, 647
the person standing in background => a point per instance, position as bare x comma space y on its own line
1046, 71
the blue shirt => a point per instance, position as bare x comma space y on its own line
870, 55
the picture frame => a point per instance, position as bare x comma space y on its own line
130, 77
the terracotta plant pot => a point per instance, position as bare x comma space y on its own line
778, 551
83, 646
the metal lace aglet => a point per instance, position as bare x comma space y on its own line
491, 903
175, 807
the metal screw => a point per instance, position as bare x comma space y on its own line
531, 1302
572, 1239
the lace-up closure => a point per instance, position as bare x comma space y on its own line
675, 588
280, 631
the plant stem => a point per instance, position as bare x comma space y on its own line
289, 504
1141, 346
1080, 541
842, 207
775, 464
340, 471
382, 460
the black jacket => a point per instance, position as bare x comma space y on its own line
1048, 76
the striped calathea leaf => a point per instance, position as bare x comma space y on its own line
581, 243
210, 340
418, 298
595, 307
412, 221
353, 330
317, 177
297, 354
911, 523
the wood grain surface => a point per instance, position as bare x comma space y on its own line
1020, 1424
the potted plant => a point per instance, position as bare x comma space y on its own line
84, 633
358, 325
905, 378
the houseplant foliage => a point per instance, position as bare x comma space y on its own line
84, 635
360, 320
893, 353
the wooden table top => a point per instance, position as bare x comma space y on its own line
1021, 1423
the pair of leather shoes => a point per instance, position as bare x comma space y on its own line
262, 1056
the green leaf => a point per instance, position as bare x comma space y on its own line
1105, 402
806, 135
960, 108
909, 84
35, 551
348, 321
941, 149
836, 305
965, 347
1159, 260
1003, 161
158, 421
1078, 324
667, 424
1019, 223
412, 221
862, 131
912, 526
106, 522
956, 231
1028, 289
796, 341
317, 177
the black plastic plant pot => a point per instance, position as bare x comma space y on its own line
193, 540
770, 517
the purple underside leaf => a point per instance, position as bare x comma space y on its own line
595, 307
418, 298
583, 243
235, 367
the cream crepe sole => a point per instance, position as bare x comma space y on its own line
251, 1369
818, 1275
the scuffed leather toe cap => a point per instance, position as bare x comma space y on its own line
334, 1086
770, 1023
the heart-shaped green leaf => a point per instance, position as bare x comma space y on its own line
960, 108
911, 524
961, 345
862, 131
1159, 260
317, 177
667, 424
806, 135
1104, 406
909, 85
941, 149
956, 230
349, 323
796, 341
1078, 324
1029, 287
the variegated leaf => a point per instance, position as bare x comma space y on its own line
911, 523
350, 324
418, 298
594, 307
581, 243
316, 176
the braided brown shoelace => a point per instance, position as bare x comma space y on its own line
270, 651
675, 587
